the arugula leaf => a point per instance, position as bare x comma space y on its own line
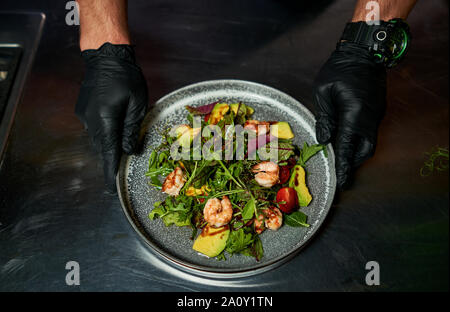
249, 209
285, 151
179, 218
236, 169
173, 211
238, 241
192, 176
255, 250
229, 173
157, 212
152, 160
180, 207
163, 171
296, 219
309, 151
158, 165
219, 180
221, 256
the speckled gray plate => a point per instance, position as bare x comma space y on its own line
173, 244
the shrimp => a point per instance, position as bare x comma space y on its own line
174, 182
269, 218
260, 127
258, 222
274, 218
218, 212
267, 173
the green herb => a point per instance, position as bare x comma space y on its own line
296, 219
179, 218
157, 211
176, 211
232, 178
159, 165
238, 241
186, 185
249, 209
221, 256
285, 151
309, 151
437, 160
225, 193
255, 250
229, 174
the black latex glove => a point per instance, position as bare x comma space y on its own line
112, 104
350, 101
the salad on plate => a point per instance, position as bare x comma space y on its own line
230, 178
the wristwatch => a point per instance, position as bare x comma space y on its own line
388, 41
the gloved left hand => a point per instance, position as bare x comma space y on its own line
112, 104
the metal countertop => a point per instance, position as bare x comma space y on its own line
53, 208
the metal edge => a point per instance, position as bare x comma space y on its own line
6, 122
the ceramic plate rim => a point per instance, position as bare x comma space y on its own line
201, 269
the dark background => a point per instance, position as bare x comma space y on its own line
53, 208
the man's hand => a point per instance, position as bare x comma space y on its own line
112, 103
350, 101
350, 95
103, 21
113, 97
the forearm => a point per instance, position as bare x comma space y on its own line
103, 21
389, 9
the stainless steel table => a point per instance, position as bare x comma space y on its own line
53, 208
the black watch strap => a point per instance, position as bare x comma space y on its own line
387, 41
364, 34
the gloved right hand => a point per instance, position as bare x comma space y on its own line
350, 102
112, 104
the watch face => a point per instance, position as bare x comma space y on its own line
392, 42
397, 43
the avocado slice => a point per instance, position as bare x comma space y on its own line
298, 182
212, 241
242, 109
245, 110
219, 110
181, 129
185, 134
283, 128
250, 110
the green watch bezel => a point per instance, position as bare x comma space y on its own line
388, 58
404, 45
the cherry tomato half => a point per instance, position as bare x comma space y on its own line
289, 196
